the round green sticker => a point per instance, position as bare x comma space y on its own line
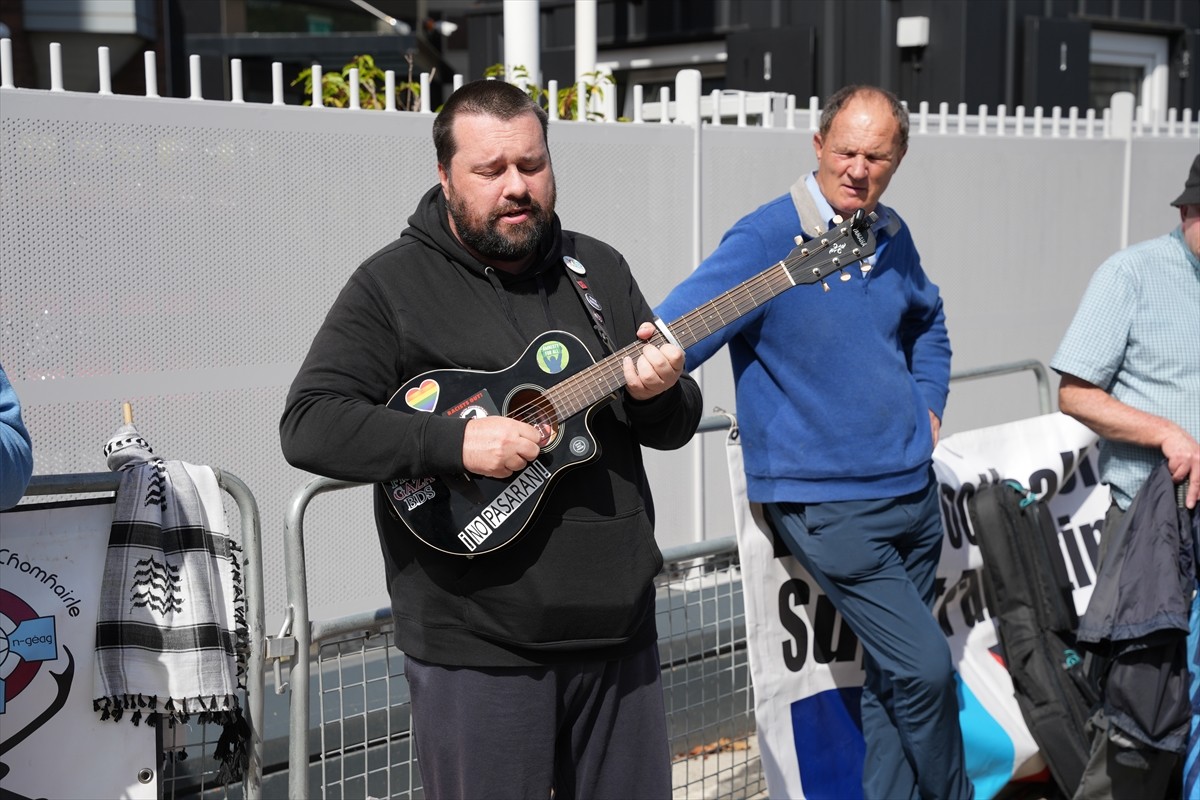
552, 357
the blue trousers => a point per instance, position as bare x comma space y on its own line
876, 560
591, 730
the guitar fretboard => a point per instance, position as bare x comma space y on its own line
606, 376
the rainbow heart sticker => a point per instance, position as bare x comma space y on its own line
423, 397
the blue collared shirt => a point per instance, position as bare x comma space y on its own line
883, 213
1136, 334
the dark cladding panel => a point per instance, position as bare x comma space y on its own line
558, 65
987, 40
1057, 54
1190, 89
1131, 10
557, 25
753, 15
485, 33
779, 60
858, 42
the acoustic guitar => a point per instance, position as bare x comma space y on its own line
555, 385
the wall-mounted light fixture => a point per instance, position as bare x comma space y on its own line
912, 31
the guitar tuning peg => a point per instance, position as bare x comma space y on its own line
825, 286
837, 219
845, 276
798, 239
865, 267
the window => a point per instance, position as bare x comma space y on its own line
1129, 62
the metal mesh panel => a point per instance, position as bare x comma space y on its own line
706, 680
187, 768
360, 734
180, 256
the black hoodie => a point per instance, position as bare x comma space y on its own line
578, 583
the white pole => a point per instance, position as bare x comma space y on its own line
56, 67
1122, 105
585, 38
426, 95
151, 68
552, 99
389, 88
354, 103
276, 83
235, 81
318, 96
6, 67
608, 85
194, 74
521, 39
687, 96
105, 68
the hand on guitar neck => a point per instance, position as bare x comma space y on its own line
657, 368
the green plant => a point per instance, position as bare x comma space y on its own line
566, 102
372, 83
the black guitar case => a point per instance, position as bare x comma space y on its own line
1030, 599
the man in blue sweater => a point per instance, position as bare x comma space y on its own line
856, 502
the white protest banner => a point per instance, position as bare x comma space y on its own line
51, 561
806, 665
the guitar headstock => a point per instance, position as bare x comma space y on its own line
844, 245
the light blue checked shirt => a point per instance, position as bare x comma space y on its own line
1136, 334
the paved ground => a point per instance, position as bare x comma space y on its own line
728, 769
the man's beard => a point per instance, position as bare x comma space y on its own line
498, 241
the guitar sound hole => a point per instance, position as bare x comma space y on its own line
530, 405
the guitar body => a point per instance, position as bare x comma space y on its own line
467, 515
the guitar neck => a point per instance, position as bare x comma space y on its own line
606, 376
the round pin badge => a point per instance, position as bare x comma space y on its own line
593, 302
574, 265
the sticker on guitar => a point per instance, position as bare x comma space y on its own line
555, 386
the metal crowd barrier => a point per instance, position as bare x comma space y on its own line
349, 672
195, 775
1040, 374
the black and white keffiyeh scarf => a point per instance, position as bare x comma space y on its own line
171, 637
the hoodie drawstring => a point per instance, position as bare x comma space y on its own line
494, 279
500, 293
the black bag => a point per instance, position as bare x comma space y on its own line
1030, 598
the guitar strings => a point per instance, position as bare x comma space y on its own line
577, 392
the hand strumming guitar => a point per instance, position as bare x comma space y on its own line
499, 446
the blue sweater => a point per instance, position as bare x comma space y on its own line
833, 388
16, 450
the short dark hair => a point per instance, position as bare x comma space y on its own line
837, 101
492, 98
